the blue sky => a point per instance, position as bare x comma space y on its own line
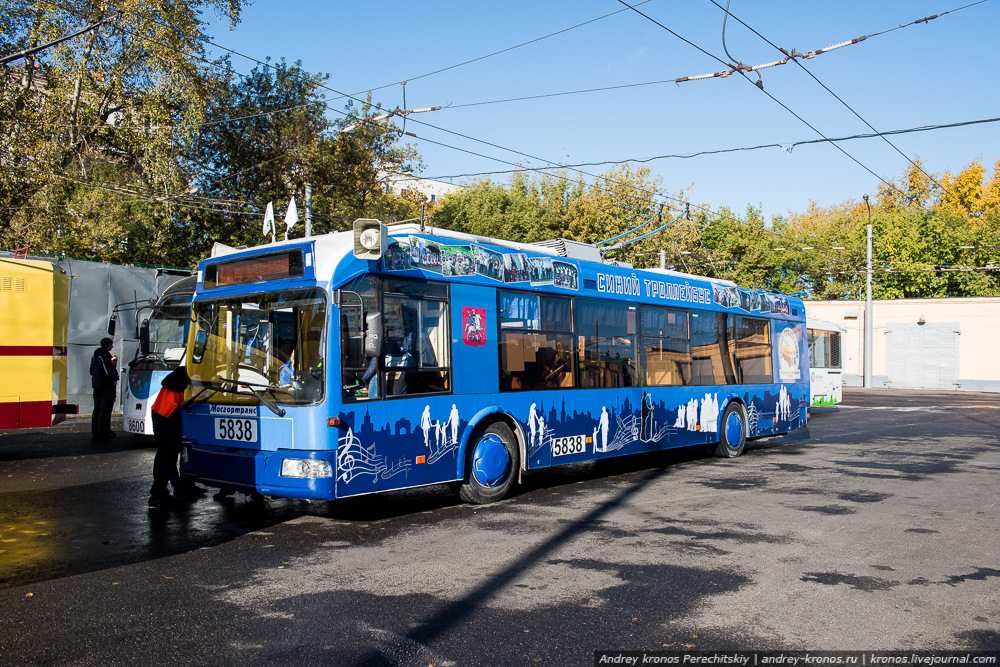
933, 73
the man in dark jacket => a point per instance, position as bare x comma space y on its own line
104, 379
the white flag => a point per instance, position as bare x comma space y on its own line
268, 218
292, 216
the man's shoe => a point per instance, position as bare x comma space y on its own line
159, 503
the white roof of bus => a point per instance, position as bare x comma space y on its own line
823, 325
335, 245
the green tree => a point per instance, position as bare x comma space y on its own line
915, 190
921, 254
560, 205
524, 210
964, 194
102, 113
273, 137
835, 238
355, 167
741, 249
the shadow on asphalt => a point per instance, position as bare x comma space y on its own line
70, 438
86, 527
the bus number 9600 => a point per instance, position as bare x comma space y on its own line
572, 444
242, 430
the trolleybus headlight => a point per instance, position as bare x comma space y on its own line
305, 468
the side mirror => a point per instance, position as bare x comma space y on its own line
144, 338
111, 325
200, 342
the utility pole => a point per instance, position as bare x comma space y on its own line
868, 303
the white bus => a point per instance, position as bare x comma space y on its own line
162, 336
826, 373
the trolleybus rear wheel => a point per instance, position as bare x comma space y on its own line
491, 465
733, 431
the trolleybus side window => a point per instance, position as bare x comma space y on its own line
665, 347
416, 340
359, 302
753, 360
606, 339
536, 342
824, 348
711, 362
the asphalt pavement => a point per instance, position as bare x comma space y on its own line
875, 529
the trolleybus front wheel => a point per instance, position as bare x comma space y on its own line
733, 431
491, 465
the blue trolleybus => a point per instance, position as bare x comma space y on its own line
389, 358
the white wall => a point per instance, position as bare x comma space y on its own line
978, 320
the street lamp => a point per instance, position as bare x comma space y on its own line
868, 303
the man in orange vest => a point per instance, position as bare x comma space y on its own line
166, 411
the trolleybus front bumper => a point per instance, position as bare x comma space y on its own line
256, 471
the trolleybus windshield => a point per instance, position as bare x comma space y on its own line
258, 344
168, 326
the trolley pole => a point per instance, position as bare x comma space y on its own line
868, 303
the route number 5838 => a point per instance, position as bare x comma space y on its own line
241, 430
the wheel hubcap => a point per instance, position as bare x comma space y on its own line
734, 430
490, 460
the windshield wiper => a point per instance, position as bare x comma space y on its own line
266, 401
205, 386
271, 389
193, 399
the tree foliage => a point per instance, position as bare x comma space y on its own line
274, 137
524, 210
110, 107
933, 236
128, 143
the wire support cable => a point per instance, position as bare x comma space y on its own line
731, 69
787, 147
825, 87
154, 199
933, 269
27, 52
772, 97
505, 50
